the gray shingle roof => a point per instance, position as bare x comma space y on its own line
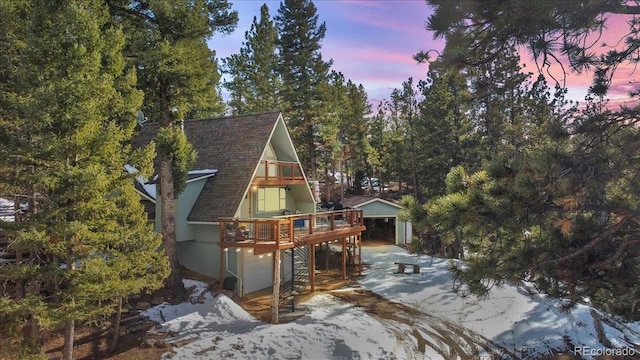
232, 145
358, 200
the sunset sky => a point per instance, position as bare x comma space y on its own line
372, 43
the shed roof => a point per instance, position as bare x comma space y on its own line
359, 201
233, 146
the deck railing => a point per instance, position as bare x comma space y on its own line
283, 229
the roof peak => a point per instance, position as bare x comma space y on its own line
229, 117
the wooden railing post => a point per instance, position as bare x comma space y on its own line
277, 224
291, 229
311, 223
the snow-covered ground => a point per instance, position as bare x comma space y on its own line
440, 324
331, 330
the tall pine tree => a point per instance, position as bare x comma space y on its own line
558, 206
303, 74
178, 74
255, 81
85, 231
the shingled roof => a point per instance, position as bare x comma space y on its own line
357, 201
232, 145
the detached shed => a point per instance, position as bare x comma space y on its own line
381, 219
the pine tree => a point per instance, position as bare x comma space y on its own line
255, 83
178, 74
479, 31
389, 152
303, 74
500, 106
356, 128
406, 114
550, 202
444, 130
73, 114
239, 89
332, 136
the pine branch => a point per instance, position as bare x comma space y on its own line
603, 236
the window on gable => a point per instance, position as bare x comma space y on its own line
271, 199
270, 171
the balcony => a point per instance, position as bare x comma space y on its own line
275, 173
290, 231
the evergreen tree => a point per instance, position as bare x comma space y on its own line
239, 89
255, 84
356, 129
443, 139
178, 74
406, 114
67, 131
303, 74
548, 207
479, 31
444, 130
501, 107
389, 151
330, 134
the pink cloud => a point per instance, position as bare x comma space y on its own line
373, 42
398, 20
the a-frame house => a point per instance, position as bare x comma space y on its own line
248, 215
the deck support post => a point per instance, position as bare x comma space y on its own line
359, 245
221, 276
221, 237
344, 258
312, 266
275, 302
326, 257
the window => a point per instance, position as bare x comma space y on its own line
271, 199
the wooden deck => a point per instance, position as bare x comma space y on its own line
289, 231
295, 231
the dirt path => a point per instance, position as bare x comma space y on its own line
420, 333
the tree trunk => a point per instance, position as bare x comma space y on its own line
67, 351
275, 302
116, 326
459, 245
34, 330
168, 219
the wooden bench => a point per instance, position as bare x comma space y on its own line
402, 265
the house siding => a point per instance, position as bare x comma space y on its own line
257, 270
203, 255
184, 231
184, 203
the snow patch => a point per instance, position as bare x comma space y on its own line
513, 319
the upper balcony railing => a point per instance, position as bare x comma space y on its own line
278, 171
283, 230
